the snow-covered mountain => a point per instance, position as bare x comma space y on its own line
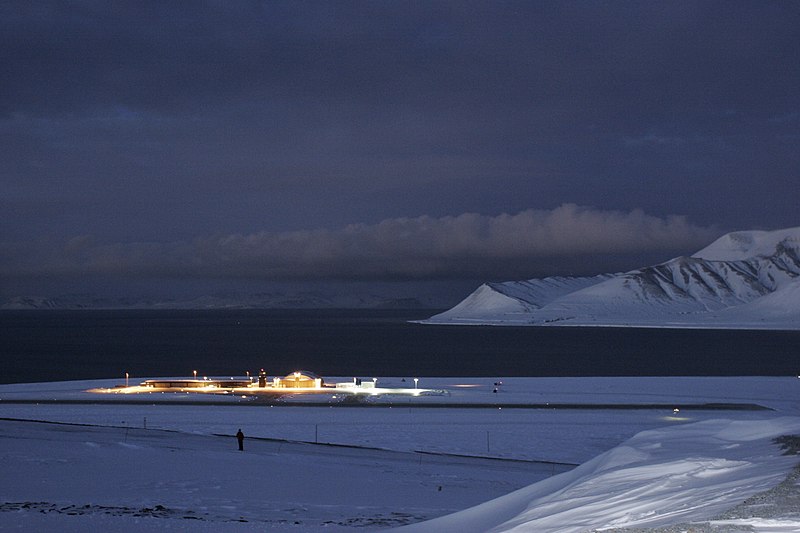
516, 300
271, 300
748, 279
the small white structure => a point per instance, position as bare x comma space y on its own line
357, 383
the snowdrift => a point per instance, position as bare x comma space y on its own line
657, 478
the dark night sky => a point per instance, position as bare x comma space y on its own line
207, 143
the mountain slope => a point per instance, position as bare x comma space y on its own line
514, 300
744, 279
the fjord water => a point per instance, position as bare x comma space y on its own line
57, 345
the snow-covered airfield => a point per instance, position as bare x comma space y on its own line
336, 461
746, 279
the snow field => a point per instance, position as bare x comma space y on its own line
647, 467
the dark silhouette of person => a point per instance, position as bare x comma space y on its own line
240, 438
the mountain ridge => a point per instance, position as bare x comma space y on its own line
744, 279
272, 300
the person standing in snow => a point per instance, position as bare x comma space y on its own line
240, 438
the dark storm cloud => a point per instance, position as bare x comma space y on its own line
162, 122
526, 244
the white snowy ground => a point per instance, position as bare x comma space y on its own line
639, 467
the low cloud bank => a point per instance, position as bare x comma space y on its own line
566, 240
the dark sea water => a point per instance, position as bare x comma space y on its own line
69, 345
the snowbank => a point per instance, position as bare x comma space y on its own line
657, 478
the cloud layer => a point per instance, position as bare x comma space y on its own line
159, 121
566, 240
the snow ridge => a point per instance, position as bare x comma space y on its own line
657, 478
742, 280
